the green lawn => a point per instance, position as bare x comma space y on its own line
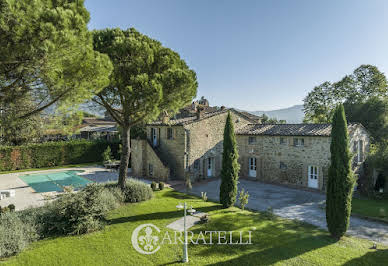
275, 241
51, 168
376, 208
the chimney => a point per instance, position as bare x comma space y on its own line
200, 113
165, 117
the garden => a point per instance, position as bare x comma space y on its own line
274, 240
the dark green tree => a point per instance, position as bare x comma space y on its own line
230, 166
47, 55
147, 79
364, 83
340, 180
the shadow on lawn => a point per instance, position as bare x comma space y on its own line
158, 215
377, 257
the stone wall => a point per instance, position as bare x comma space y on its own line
270, 154
172, 150
146, 163
205, 140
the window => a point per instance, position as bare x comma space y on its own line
169, 133
252, 164
298, 142
252, 140
282, 140
282, 166
313, 172
150, 170
196, 164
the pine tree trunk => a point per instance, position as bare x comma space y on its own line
125, 154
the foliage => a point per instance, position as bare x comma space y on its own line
372, 114
107, 155
230, 166
137, 191
147, 79
16, 131
364, 83
161, 185
46, 52
204, 196
266, 120
52, 154
153, 186
80, 212
243, 198
340, 180
15, 235
11, 207
115, 190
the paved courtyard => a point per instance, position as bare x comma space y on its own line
295, 204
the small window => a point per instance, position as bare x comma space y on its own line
169, 133
196, 164
282, 140
298, 142
150, 170
252, 140
282, 166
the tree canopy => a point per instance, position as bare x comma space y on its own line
364, 83
147, 79
46, 54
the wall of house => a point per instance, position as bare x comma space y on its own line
269, 154
172, 150
143, 155
204, 139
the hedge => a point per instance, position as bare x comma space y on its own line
51, 154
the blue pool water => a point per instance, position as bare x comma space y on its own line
55, 181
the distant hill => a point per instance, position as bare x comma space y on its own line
292, 114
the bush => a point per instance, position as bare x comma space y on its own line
80, 212
107, 155
153, 186
243, 198
161, 185
136, 191
15, 235
11, 207
53, 154
115, 190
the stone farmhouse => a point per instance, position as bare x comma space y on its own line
191, 145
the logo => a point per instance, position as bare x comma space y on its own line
143, 241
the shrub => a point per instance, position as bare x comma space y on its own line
107, 155
243, 198
11, 207
115, 190
136, 191
153, 186
161, 185
15, 235
80, 212
53, 154
204, 196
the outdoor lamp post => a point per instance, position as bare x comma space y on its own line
191, 211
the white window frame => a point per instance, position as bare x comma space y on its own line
311, 173
253, 163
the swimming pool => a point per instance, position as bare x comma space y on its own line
47, 182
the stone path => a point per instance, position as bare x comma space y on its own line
296, 204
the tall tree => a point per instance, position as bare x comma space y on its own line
372, 114
230, 166
47, 55
340, 180
364, 83
147, 79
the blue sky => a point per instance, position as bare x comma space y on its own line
258, 55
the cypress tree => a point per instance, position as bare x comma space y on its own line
230, 166
341, 180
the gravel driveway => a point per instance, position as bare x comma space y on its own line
295, 204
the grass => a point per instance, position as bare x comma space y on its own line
275, 241
50, 168
375, 208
